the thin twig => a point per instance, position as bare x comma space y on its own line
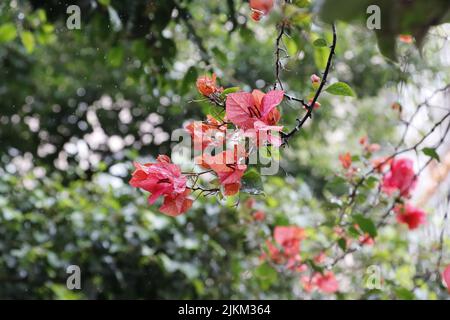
278, 64
310, 106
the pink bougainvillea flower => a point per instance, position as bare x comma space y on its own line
340, 232
346, 160
320, 258
446, 277
315, 79
229, 167
206, 133
405, 38
363, 140
256, 114
410, 215
176, 203
259, 215
373, 147
264, 133
401, 177
249, 203
286, 248
289, 237
366, 239
207, 85
316, 104
307, 283
162, 178
260, 8
274, 253
326, 282
244, 108
369, 147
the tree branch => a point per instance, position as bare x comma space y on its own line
310, 106
192, 34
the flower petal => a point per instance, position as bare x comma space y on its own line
271, 100
446, 277
237, 108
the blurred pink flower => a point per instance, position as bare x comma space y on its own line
401, 177
410, 215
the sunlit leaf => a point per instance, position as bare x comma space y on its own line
340, 89
7, 32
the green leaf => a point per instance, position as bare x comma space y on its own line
342, 243
431, 152
397, 17
338, 186
115, 56
371, 182
320, 42
341, 89
7, 32
252, 183
331, 10
220, 55
404, 294
365, 224
302, 3
355, 233
387, 44
231, 90
105, 2
189, 80
320, 57
291, 46
266, 275
28, 41
48, 28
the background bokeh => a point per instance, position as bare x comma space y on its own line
77, 107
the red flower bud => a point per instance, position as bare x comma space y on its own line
207, 85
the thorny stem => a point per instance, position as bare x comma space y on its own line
398, 152
388, 212
278, 63
310, 107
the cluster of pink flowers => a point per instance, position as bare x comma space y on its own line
258, 215
401, 178
409, 215
163, 178
228, 172
284, 250
253, 114
325, 282
398, 178
285, 247
363, 239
